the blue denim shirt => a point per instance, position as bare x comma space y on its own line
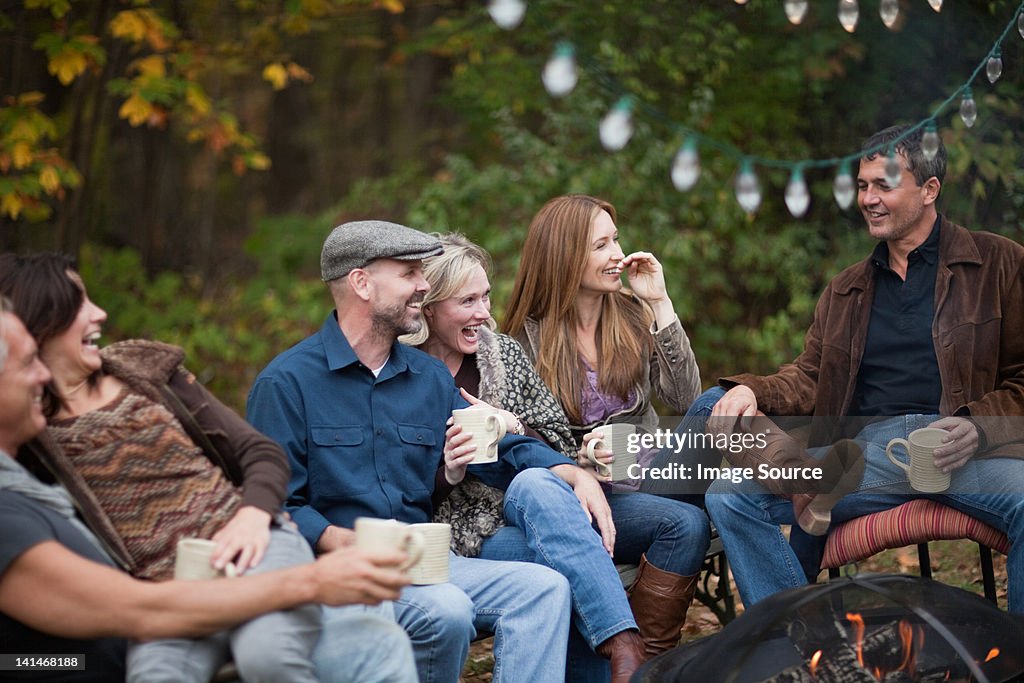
361, 445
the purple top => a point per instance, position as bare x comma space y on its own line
597, 406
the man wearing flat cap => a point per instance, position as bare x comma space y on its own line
363, 421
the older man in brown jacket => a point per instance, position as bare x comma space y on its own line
926, 332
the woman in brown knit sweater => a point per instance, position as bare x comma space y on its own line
151, 457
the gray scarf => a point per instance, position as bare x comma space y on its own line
14, 477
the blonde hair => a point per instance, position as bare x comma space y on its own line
551, 268
447, 273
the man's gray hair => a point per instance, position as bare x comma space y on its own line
5, 306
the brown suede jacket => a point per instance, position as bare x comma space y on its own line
978, 333
250, 460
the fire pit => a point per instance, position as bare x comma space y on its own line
868, 629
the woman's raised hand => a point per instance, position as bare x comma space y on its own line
646, 276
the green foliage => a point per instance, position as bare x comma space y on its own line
228, 334
744, 286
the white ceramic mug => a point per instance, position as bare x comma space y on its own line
433, 565
920, 446
194, 560
389, 534
487, 428
616, 439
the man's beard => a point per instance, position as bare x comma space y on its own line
393, 322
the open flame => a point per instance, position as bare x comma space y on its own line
858, 631
909, 651
911, 641
813, 665
908, 637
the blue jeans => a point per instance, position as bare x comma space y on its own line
526, 606
547, 524
360, 644
762, 561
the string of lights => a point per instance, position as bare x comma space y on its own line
561, 74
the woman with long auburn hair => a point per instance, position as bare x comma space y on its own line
578, 322
602, 350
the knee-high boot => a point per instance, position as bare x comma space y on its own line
659, 600
842, 469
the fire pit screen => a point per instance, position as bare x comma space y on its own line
892, 629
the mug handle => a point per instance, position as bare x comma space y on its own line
230, 570
414, 545
889, 449
494, 422
602, 468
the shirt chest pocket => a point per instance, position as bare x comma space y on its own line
340, 463
421, 452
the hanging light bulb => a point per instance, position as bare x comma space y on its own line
968, 108
507, 13
748, 190
797, 196
994, 66
559, 75
795, 11
930, 141
848, 14
741, 2
936, 5
686, 166
617, 126
843, 188
893, 170
889, 10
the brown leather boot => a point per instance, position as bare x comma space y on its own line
626, 651
842, 469
659, 600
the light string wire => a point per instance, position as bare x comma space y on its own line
611, 84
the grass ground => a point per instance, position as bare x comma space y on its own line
953, 562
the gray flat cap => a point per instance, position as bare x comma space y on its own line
353, 245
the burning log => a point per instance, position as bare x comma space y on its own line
886, 654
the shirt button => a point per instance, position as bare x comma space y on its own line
380, 432
419, 437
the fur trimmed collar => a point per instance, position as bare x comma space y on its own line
140, 360
493, 378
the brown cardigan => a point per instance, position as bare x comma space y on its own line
250, 460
